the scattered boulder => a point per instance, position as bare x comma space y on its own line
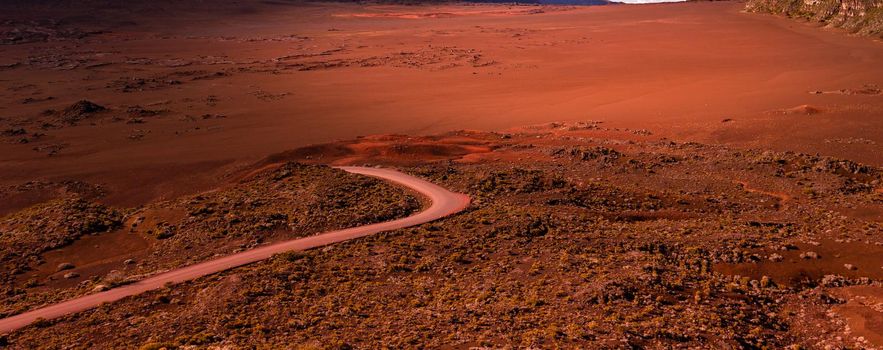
831, 300
70, 275
141, 112
65, 266
14, 132
834, 281
114, 277
810, 255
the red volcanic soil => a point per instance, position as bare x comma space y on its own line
682, 164
684, 244
863, 311
187, 98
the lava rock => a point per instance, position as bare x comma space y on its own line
810, 255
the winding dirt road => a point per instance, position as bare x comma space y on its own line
443, 203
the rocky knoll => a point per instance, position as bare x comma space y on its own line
863, 17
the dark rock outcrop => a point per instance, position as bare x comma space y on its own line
864, 17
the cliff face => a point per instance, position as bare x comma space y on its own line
859, 16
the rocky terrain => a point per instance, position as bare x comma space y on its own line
579, 235
687, 175
73, 245
864, 17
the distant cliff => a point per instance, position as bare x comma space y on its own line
863, 17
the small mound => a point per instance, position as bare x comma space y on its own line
803, 109
386, 150
83, 109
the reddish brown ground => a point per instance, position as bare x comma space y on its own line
579, 235
238, 82
204, 101
864, 311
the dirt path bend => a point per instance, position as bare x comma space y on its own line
782, 198
443, 203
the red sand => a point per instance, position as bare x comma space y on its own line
313, 73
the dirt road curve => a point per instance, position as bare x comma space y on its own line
443, 203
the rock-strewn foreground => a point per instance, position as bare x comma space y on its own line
578, 235
71, 246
